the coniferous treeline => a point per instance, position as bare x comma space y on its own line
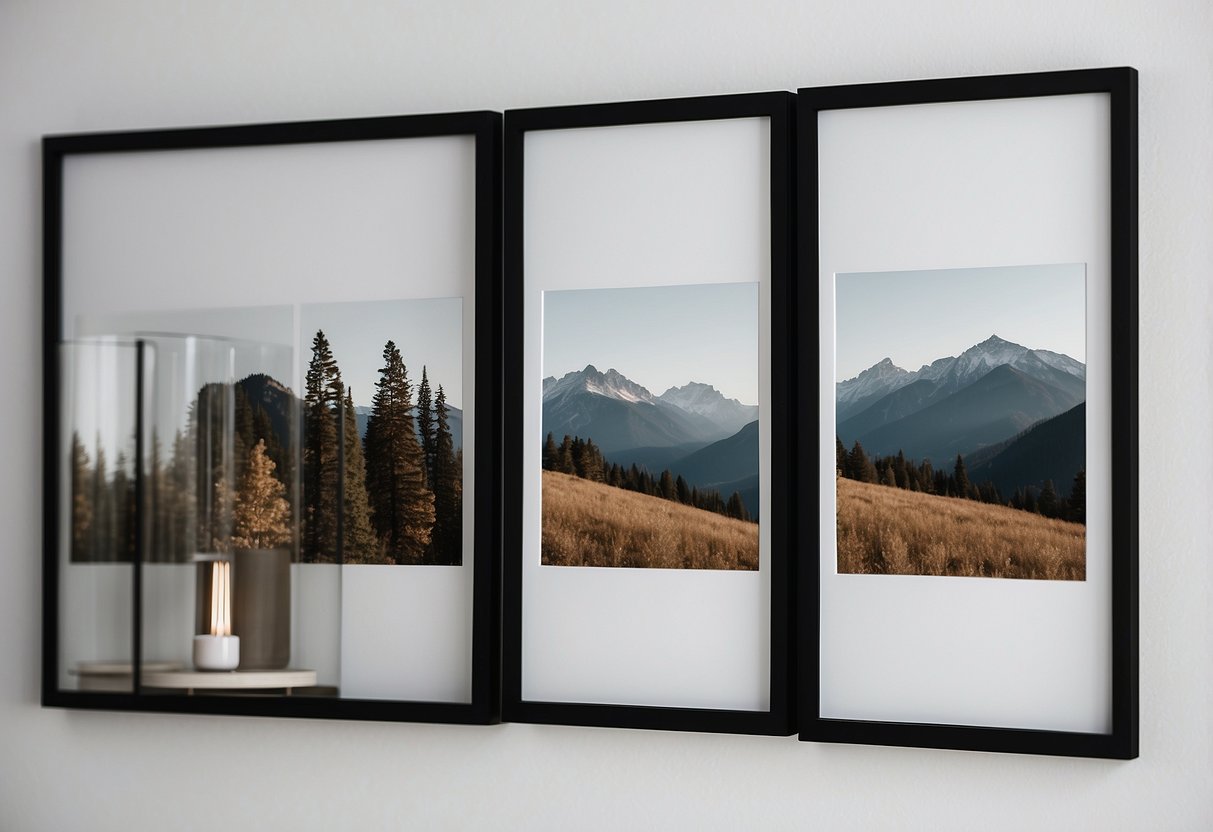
899, 472
249, 510
582, 458
400, 486
400, 493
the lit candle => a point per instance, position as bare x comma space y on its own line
220, 650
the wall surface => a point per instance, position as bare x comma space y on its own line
94, 66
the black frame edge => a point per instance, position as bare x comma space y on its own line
780, 108
1122, 742
485, 127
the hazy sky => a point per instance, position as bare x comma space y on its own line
659, 337
917, 317
428, 332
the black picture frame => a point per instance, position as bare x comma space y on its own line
484, 128
779, 109
1120, 84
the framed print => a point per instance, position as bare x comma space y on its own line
647, 572
272, 433
968, 340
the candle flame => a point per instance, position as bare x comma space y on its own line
221, 598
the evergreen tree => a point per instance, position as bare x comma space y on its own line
564, 456
859, 466
125, 515
889, 478
736, 508
103, 509
840, 458
182, 527
401, 501
1048, 504
666, 486
550, 454
82, 503
926, 476
592, 463
262, 516
322, 397
900, 470
263, 429
222, 512
359, 544
244, 430
1077, 502
446, 544
425, 423
682, 491
961, 476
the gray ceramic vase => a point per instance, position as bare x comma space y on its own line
261, 613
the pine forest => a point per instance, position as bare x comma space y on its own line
391, 496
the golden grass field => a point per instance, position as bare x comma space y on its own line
891, 531
590, 524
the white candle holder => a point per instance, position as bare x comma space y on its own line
216, 652
218, 649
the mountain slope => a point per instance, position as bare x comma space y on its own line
637, 530
1051, 450
730, 459
998, 405
896, 405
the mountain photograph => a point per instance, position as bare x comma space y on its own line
989, 432
636, 479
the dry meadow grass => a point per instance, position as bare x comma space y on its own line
891, 531
589, 524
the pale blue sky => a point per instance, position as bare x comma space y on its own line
916, 317
428, 332
659, 337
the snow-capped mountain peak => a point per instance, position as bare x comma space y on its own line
954, 372
882, 377
705, 400
612, 385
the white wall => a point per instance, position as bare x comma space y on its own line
92, 66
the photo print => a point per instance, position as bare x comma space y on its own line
650, 427
974, 463
382, 407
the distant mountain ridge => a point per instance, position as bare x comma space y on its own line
951, 373
1054, 449
958, 404
707, 401
619, 414
692, 430
454, 417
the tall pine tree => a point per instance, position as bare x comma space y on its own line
425, 423
321, 399
402, 503
360, 545
962, 477
82, 503
446, 544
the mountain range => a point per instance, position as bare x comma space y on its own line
968, 404
454, 420
693, 430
